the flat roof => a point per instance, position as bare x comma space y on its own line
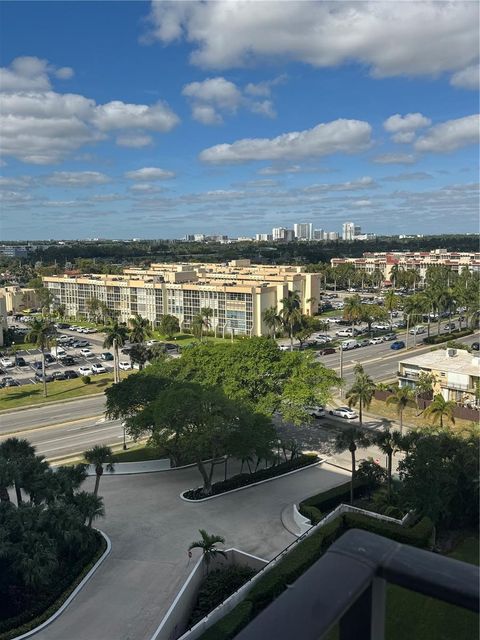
461, 362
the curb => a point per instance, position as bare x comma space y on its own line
74, 593
50, 404
253, 484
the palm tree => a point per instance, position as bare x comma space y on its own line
361, 393
351, 439
98, 456
69, 479
439, 409
93, 307
89, 505
353, 309
6, 479
16, 453
272, 320
115, 337
389, 442
140, 329
390, 303
42, 333
291, 313
208, 546
206, 313
401, 398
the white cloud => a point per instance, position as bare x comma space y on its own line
468, 78
19, 182
362, 203
150, 173
366, 182
264, 108
392, 38
206, 114
218, 91
395, 158
450, 135
409, 122
404, 137
77, 178
275, 171
64, 73
41, 126
144, 187
347, 136
134, 140
264, 89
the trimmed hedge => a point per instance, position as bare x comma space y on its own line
24, 622
312, 513
448, 336
244, 479
299, 559
328, 500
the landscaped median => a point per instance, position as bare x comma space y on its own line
244, 480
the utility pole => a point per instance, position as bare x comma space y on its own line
115, 361
341, 369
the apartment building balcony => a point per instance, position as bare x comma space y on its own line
347, 585
408, 375
456, 386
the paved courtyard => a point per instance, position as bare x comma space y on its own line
151, 527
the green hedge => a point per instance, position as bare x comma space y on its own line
328, 500
445, 337
312, 513
301, 557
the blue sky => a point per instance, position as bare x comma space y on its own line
151, 120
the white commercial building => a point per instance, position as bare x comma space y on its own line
303, 231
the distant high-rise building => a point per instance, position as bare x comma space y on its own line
199, 237
189, 237
282, 234
318, 234
332, 235
303, 231
263, 237
350, 230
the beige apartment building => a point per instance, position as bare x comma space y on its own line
419, 260
237, 292
18, 299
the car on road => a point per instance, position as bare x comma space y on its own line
7, 362
327, 351
8, 382
87, 353
59, 375
107, 356
316, 411
85, 371
398, 344
20, 361
344, 412
389, 336
98, 368
417, 330
476, 346
449, 326
124, 365
70, 374
377, 340
39, 377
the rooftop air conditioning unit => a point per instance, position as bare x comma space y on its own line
451, 353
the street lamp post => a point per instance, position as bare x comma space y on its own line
341, 369
225, 457
124, 437
279, 442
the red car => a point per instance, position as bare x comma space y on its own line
327, 351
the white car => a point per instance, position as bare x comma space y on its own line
89, 331
85, 371
98, 368
63, 339
382, 326
316, 411
376, 340
344, 412
417, 330
124, 365
150, 343
345, 333
87, 353
7, 363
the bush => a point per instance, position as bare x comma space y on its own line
229, 626
328, 500
244, 479
312, 513
418, 535
86, 379
217, 587
448, 336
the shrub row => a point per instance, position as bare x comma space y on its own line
328, 500
244, 479
299, 559
43, 610
448, 336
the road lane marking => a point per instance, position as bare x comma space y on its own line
48, 426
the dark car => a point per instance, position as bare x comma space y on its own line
59, 375
398, 344
37, 365
39, 377
327, 351
126, 351
9, 382
476, 346
68, 361
20, 362
70, 374
49, 359
107, 356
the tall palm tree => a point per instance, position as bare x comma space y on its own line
6, 479
401, 398
115, 336
93, 307
389, 442
206, 313
353, 309
272, 319
390, 303
439, 409
140, 329
208, 545
351, 439
16, 453
291, 313
361, 393
89, 505
42, 333
98, 456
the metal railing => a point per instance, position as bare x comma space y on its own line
348, 585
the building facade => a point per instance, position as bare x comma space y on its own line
18, 299
303, 231
238, 293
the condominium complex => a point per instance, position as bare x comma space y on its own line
420, 261
303, 231
350, 230
238, 293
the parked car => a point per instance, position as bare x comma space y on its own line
87, 353
68, 361
316, 411
124, 365
344, 333
37, 365
398, 344
363, 343
344, 412
417, 330
78, 344
476, 346
89, 330
59, 375
381, 326
20, 361
57, 352
126, 351
98, 368
150, 343
449, 326
327, 351
7, 362
49, 359
389, 336
347, 345
8, 382
377, 340
107, 356
85, 371
70, 374
64, 339
39, 377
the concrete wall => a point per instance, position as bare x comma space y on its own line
174, 624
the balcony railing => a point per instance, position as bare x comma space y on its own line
456, 386
348, 585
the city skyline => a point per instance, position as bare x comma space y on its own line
150, 126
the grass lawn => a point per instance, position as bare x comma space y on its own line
31, 394
413, 616
137, 453
410, 415
184, 339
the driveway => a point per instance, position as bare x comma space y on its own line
151, 528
